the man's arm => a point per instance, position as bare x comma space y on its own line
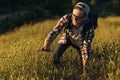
88, 39
53, 34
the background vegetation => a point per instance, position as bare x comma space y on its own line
59, 6
14, 13
19, 59
24, 25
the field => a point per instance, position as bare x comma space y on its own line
19, 59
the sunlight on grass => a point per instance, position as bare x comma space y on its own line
19, 59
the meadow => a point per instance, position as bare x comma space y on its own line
19, 59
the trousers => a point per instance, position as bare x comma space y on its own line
61, 49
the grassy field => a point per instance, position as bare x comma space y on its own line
19, 59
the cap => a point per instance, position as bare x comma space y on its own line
83, 6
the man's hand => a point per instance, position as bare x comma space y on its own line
47, 49
46, 46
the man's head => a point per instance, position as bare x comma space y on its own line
80, 13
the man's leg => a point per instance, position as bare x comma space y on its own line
59, 51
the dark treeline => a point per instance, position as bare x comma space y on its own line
36, 10
53, 6
60, 7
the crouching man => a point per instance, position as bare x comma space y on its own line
78, 33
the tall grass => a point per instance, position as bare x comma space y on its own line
19, 59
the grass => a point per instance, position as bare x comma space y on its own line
19, 59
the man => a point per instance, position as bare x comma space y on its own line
79, 32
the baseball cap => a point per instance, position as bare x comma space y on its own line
83, 6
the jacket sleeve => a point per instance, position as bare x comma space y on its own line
88, 39
57, 29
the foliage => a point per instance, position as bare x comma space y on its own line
19, 59
37, 9
14, 21
59, 7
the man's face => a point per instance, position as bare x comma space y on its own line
78, 17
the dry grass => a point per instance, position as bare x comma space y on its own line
19, 59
